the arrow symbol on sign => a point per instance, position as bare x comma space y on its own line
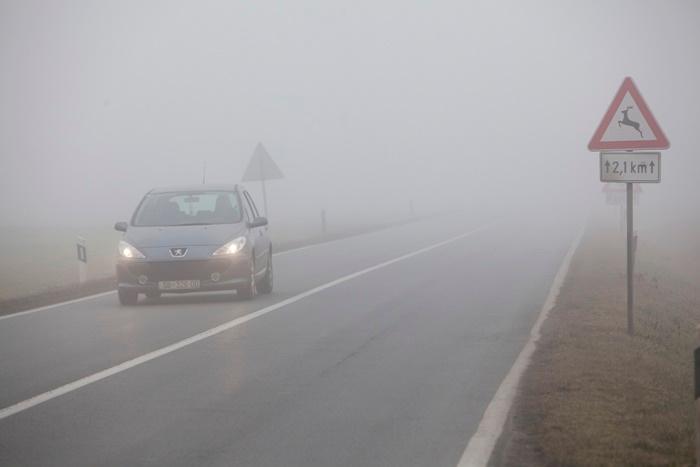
607, 166
651, 164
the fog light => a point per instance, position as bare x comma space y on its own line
143, 279
215, 276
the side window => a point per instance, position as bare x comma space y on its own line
251, 204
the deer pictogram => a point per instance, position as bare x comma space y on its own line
626, 121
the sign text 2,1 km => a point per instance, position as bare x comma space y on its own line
626, 167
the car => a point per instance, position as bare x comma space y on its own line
193, 239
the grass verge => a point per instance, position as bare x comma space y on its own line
594, 396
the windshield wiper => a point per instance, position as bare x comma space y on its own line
193, 223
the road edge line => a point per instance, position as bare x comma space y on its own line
100, 375
54, 305
482, 443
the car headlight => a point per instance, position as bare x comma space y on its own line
128, 251
231, 248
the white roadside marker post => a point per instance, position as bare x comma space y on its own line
82, 260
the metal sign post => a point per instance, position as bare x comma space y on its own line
630, 168
630, 260
628, 125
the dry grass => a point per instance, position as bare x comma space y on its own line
597, 397
40, 259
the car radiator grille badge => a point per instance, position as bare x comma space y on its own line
178, 252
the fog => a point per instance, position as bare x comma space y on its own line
364, 105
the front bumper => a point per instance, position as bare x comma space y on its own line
143, 275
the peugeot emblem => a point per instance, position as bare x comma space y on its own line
178, 252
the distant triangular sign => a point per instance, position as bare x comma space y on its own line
261, 166
628, 124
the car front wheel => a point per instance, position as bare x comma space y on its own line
265, 285
249, 290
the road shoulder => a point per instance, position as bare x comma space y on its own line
594, 396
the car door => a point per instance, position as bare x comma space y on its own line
261, 242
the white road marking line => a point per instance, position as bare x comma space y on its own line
325, 242
47, 307
47, 396
294, 250
101, 294
480, 447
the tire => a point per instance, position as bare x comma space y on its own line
128, 297
249, 290
265, 286
154, 294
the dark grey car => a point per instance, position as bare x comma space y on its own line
192, 239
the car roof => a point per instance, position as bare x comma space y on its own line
199, 188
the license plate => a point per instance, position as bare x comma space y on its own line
178, 285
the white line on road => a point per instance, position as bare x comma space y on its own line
100, 375
301, 248
102, 294
481, 445
48, 307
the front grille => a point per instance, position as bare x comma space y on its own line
179, 270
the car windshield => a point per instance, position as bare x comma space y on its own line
188, 208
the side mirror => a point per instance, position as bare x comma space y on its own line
121, 226
258, 222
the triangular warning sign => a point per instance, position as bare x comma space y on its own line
628, 124
261, 166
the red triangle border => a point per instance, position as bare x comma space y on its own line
661, 142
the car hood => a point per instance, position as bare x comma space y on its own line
183, 235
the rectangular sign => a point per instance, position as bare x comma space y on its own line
630, 167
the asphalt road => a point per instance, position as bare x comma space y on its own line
392, 366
